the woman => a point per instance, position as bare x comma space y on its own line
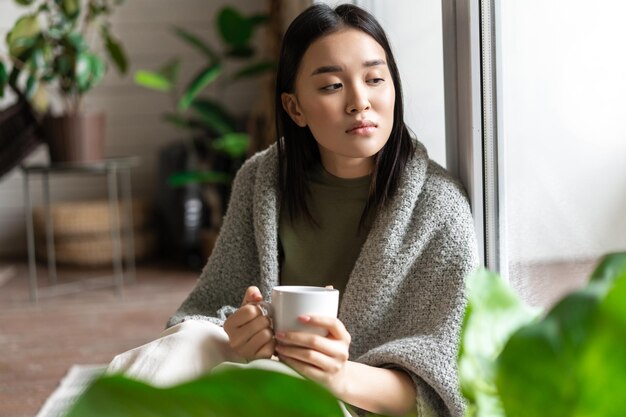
346, 198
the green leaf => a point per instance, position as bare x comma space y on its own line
71, 8
206, 177
152, 80
4, 78
31, 86
603, 362
24, 2
215, 117
197, 43
116, 52
23, 35
610, 267
232, 393
556, 366
492, 314
199, 83
89, 71
76, 41
234, 145
234, 28
254, 70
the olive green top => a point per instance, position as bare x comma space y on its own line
324, 255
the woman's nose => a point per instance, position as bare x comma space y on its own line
358, 102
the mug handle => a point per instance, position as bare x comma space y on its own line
266, 308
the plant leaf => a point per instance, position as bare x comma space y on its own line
214, 116
31, 86
152, 80
254, 70
603, 362
553, 367
206, 177
197, 43
234, 28
199, 83
24, 2
23, 35
229, 393
234, 145
610, 267
70, 8
492, 314
116, 52
4, 78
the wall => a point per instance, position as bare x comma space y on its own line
134, 126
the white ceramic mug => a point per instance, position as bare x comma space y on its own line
291, 301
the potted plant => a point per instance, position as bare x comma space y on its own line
217, 140
50, 55
571, 361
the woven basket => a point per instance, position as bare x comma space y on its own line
82, 232
89, 217
97, 250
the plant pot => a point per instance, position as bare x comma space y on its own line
75, 138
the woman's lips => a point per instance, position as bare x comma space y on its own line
364, 128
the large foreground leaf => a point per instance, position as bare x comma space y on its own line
493, 313
573, 362
232, 393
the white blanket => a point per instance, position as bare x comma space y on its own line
186, 351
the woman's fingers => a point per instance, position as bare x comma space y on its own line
244, 333
259, 345
335, 327
253, 295
308, 356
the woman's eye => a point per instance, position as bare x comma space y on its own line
332, 87
376, 81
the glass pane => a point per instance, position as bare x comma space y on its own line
563, 80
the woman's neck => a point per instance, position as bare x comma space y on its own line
346, 167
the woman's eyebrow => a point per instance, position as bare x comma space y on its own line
336, 68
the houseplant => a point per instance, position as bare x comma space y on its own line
571, 361
51, 58
217, 140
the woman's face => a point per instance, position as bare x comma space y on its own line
345, 95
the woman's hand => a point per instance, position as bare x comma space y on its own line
249, 331
322, 359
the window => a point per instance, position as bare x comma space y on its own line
544, 128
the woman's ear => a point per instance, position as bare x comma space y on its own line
291, 106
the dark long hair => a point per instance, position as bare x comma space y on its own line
297, 148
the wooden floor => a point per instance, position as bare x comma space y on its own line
39, 342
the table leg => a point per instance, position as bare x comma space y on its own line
116, 232
129, 229
30, 236
52, 269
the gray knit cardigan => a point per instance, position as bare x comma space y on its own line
404, 299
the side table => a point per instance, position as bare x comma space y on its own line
118, 176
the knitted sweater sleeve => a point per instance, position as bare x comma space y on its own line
430, 311
233, 265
